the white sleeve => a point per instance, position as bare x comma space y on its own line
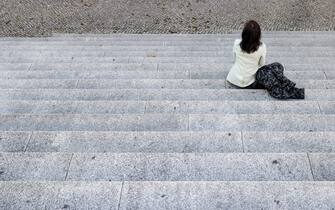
234, 50
263, 57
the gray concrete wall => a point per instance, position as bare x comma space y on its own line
42, 17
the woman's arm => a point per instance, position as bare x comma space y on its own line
234, 54
236, 45
262, 59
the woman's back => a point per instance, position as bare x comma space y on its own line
246, 64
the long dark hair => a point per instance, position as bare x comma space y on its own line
251, 37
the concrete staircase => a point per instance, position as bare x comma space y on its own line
148, 122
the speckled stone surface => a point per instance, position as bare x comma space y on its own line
42, 17
228, 195
167, 195
128, 121
59, 195
190, 167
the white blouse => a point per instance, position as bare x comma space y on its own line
245, 65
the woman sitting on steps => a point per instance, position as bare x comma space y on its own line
249, 69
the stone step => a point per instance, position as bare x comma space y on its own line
167, 142
167, 122
282, 142
153, 94
202, 166
141, 84
156, 107
167, 37
181, 67
129, 74
91, 50
78, 129
151, 142
159, 39
163, 40
167, 195
117, 84
59, 195
141, 59
156, 53
165, 166
179, 38
265, 122
212, 48
169, 40
275, 41
308, 41
293, 74
147, 74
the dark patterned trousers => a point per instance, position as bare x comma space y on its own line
271, 77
